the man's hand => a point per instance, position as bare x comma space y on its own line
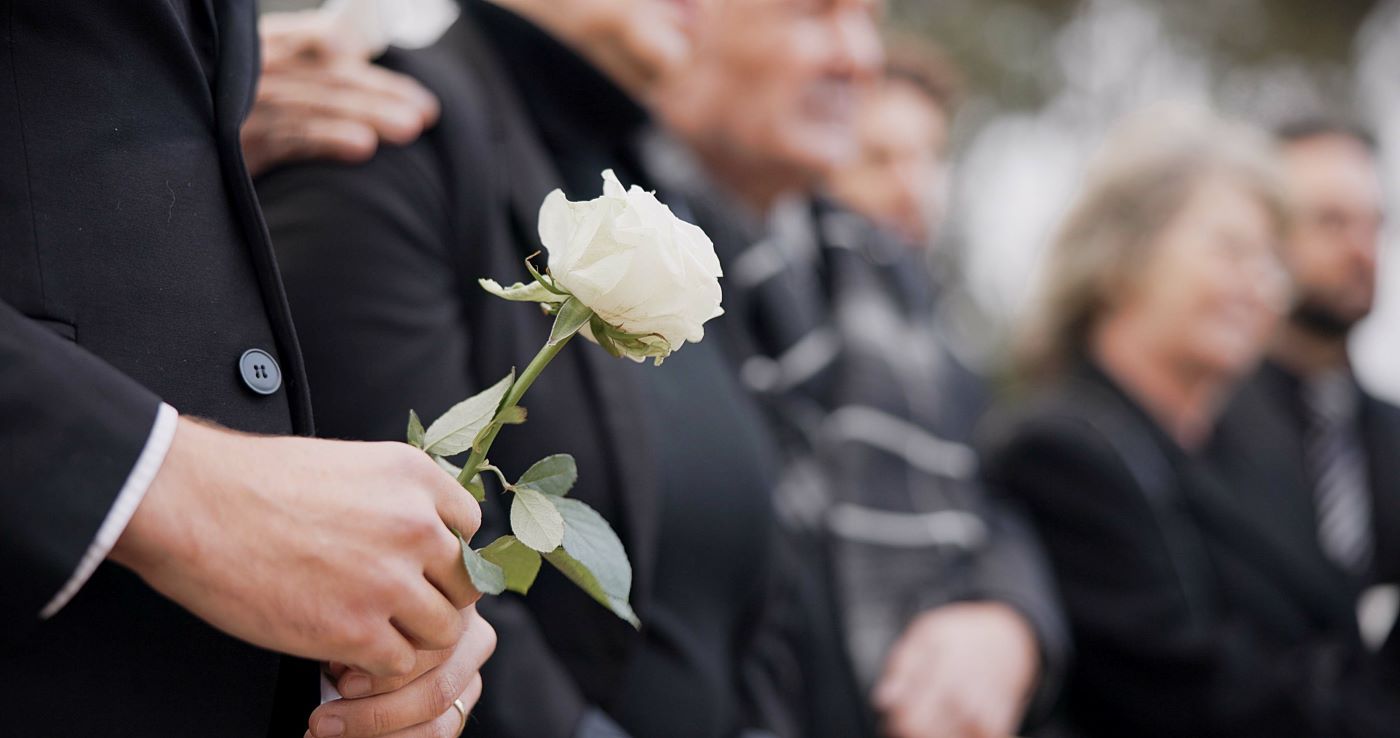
418, 705
320, 97
960, 671
329, 550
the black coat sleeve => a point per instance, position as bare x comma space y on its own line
71, 429
365, 254
1151, 658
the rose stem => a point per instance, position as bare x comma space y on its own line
513, 397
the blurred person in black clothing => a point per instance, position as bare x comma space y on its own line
1304, 440
381, 262
899, 177
1194, 613
942, 596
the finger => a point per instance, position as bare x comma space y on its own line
353, 684
324, 138
447, 572
935, 711
392, 86
445, 569
304, 36
428, 619
421, 701
321, 94
456, 508
271, 139
384, 653
895, 683
449, 724
477, 644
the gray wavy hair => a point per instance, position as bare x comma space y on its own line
1140, 181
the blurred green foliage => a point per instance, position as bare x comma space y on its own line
1007, 48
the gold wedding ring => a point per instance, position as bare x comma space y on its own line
462, 710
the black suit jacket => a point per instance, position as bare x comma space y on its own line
381, 261
1194, 614
1259, 448
134, 268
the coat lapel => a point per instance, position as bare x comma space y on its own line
234, 86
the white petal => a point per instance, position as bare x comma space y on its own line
557, 225
612, 186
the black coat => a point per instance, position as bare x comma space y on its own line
134, 268
382, 261
1259, 448
1193, 614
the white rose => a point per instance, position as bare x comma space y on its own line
639, 268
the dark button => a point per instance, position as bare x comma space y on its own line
260, 371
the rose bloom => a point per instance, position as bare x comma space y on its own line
637, 266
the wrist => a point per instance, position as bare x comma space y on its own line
1021, 639
159, 528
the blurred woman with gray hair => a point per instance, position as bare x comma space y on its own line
1162, 292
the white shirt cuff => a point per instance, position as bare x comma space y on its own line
328, 691
128, 499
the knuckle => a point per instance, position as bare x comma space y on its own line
443, 690
410, 462
357, 637
392, 662
488, 637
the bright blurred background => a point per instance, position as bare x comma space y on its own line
1046, 78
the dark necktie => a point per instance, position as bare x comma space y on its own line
1337, 463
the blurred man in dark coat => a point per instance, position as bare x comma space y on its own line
381, 262
1304, 443
943, 596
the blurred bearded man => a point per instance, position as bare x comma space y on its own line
946, 604
1307, 447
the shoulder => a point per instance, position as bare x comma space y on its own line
1070, 424
1081, 442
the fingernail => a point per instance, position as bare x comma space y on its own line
329, 727
355, 685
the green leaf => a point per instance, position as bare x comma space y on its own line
591, 546
543, 281
520, 292
415, 430
513, 415
535, 521
552, 475
454, 432
520, 563
571, 317
581, 576
487, 577
602, 335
